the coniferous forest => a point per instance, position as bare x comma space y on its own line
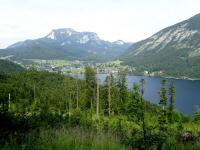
41, 110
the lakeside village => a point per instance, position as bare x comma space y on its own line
77, 67
67, 67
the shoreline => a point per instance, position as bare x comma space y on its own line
185, 78
166, 77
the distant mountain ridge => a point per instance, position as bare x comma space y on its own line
66, 43
175, 50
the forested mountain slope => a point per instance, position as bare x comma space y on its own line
174, 50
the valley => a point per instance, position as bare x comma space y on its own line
67, 67
172, 52
74, 66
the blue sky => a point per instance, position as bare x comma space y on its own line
128, 20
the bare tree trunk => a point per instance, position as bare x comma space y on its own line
97, 107
69, 102
109, 96
91, 103
34, 96
9, 102
77, 94
66, 104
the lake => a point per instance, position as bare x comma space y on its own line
187, 91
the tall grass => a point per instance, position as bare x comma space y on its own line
67, 139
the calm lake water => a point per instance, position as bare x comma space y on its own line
187, 91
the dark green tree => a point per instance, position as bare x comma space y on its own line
163, 115
163, 103
163, 97
110, 96
143, 108
90, 79
123, 91
197, 115
114, 94
171, 102
134, 105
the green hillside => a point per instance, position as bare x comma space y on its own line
9, 67
52, 111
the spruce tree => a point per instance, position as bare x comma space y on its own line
142, 82
97, 98
112, 95
134, 105
171, 102
163, 91
90, 79
163, 103
123, 91
197, 115
109, 95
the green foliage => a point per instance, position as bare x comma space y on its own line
163, 100
9, 67
134, 105
171, 102
114, 96
163, 103
46, 101
90, 79
122, 85
197, 115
